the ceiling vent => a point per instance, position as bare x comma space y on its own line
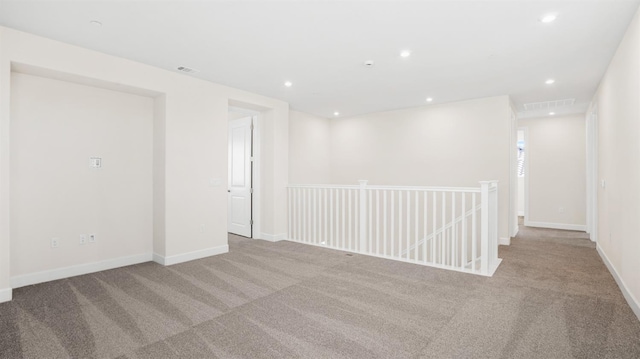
187, 69
548, 105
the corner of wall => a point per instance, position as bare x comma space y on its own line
186, 257
6, 294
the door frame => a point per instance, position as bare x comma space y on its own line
527, 174
256, 195
513, 227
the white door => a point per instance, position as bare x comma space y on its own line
239, 196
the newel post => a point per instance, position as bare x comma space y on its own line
363, 215
484, 227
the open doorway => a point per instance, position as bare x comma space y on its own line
522, 174
240, 173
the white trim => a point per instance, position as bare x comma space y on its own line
631, 300
256, 198
273, 237
80, 269
189, 256
503, 241
6, 295
568, 227
513, 175
527, 174
521, 213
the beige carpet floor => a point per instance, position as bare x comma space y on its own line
552, 297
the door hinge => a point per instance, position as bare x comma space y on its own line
251, 190
251, 222
251, 159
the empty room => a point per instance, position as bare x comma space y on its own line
319, 179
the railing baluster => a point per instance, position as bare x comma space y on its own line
474, 238
370, 233
384, 216
343, 223
314, 218
417, 234
453, 230
393, 218
434, 224
399, 224
349, 228
463, 259
424, 231
408, 224
330, 236
443, 242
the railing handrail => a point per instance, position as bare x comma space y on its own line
402, 188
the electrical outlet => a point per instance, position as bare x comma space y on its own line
92, 238
83, 239
55, 242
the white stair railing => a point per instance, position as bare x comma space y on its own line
433, 226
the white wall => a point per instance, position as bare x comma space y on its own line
189, 149
455, 144
618, 103
556, 155
309, 145
56, 127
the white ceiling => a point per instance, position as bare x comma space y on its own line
459, 49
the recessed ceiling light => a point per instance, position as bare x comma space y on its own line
548, 18
550, 81
368, 63
336, 113
551, 113
288, 84
429, 99
95, 23
405, 53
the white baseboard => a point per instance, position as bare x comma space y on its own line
185, 257
80, 269
5, 295
568, 227
504, 241
274, 237
633, 302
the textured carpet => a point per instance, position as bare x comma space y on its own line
552, 297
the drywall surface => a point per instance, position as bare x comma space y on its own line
455, 144
556, 155
309, 146
618, 101
56, 127
190, 150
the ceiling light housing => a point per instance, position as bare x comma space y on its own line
548, 18
551, 113
288, 84
429, 99
405, 53
336, 113
95, 23
550, 81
